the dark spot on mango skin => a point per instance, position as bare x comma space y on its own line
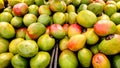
109, 37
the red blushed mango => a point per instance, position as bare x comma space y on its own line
57, 31
76, 42
65, 27
35, 30
21, 32
20, 9
104, 27
74, 29
99, 60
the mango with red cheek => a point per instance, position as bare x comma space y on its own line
65, 27
104, 27
35, 30
21, 32
20, 9
76, 42
99, 60
57, 31
74, 29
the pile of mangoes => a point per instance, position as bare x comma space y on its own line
60, 34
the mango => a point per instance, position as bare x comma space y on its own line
18, 61
20, 9
63, 43
104, 27
76, 28
57, 31
68, 59
4, 45
76, 42
100, 60
5, 59
110, 45
27, 48
13, 45
41, 60
35, 30
7, 30
86, 18
85, 57
59, 18
45, 42
91, 34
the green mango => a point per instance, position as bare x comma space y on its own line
13, 45
44, 9
19, 62
7, 30
63, 43
44, 19
94, 49
110, 45
96, 7
57, 5
85, 57
68, 59
76, 2
91, 36
110, 9
82, 7
33, 9
70, 8
72, 17
4, 45
41, 60
59, 18
45, 42
5, 62
116, 61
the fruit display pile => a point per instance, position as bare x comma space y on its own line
60, 34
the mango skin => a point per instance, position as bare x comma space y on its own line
110, 47
104, 27
99, 60
68, 59
76, 42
